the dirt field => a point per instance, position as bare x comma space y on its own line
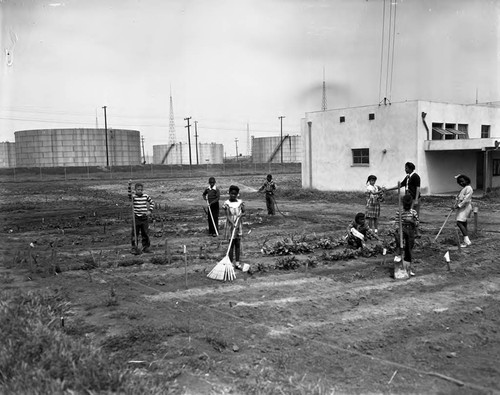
323, 320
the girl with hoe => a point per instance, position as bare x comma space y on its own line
463, 205
235, 209
374, 195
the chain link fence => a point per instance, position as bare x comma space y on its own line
148, 171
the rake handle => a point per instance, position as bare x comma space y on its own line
133, 213
212, 218
232, 235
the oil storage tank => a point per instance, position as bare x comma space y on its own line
271, 149
77, 147
7, 154
178, 154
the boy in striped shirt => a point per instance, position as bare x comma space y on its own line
142, 207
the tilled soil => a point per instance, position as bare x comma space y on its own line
328, 326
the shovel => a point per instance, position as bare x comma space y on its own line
400, 271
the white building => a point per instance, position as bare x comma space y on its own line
342, 147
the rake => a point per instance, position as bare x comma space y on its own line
224, 270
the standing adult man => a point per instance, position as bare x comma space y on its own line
412, 186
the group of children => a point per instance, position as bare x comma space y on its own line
142, 206
357, 233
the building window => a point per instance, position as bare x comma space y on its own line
361, 156
371, 116
485, 131
464, 128
342, 119
449, 131
496, 167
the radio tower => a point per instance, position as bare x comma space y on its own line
171, 124
323, 104
249, 150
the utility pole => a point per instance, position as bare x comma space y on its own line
236, 141
196, 139
189, 139
106, 134
143, 153
281, 142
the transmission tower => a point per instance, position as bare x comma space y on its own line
249, 150
171, 124
323, 104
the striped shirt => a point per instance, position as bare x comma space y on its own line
408, 218
142, 204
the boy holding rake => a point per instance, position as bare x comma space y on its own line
142, 208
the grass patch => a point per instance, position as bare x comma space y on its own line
36, 353
39, 356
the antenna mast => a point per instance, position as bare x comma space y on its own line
171, 124
323, 104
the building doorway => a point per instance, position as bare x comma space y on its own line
480, 170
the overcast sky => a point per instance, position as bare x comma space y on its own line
229, 63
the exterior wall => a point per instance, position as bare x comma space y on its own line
7, 154
77, 147
390, 137
179, 154
454, 161
397, 135
264, 147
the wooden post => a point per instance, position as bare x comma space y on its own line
167, 252
458, 240
186, 266
476, 209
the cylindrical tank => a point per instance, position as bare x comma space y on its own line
7, 154
268, 149
77, 147
178, 154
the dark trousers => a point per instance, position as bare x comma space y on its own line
408, 242
141, 228
214, 208
270, 203
236, 249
